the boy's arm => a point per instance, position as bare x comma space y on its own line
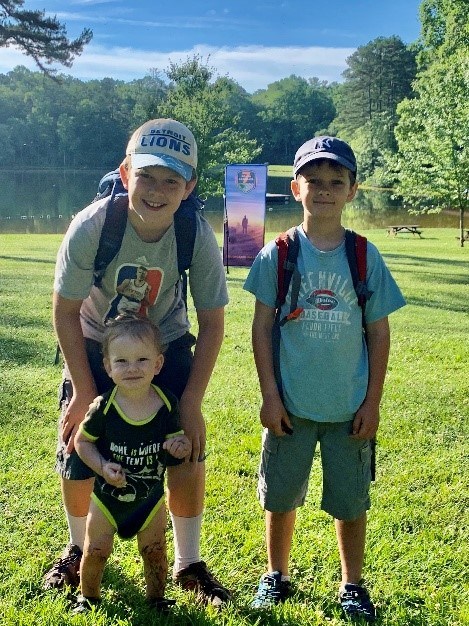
209, 340
273, 412
366, 422
66, 318
89, 454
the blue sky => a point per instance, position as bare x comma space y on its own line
255, 43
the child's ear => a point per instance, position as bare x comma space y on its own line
352, 192
190, 186
295, 189
124, 174
159, 364
107, 366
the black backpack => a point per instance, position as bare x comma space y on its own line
185, 227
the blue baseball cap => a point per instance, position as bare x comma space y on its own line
325, 147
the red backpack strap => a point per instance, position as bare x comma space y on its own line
282, 252
288, 245
360, 251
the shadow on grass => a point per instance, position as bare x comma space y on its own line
424, 260
27, 259
454, 306
24, 351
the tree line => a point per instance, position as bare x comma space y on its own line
75, 124
403, 108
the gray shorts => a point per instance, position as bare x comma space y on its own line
286, 464
173, 376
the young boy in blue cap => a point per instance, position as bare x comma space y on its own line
158, 172
332, 378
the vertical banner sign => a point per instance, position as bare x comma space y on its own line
245, 187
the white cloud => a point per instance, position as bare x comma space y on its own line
253, 67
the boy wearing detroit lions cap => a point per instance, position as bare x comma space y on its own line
167, 143
331, 379
158, 172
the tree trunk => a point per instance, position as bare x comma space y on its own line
462, 235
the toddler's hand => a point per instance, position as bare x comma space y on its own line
114, 474
179, 447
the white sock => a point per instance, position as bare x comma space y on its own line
77, 529
186, 540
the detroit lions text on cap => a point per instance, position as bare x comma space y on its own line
165, 139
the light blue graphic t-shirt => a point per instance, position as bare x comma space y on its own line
323, 355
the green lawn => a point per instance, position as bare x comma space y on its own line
417, 559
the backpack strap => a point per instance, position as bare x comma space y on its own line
112, 233
288, 245
185, 228
356, 249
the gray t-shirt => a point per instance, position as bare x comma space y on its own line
323, 355
143, 277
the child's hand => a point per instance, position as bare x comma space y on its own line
179, 447
114, 475
274, 416
366, 422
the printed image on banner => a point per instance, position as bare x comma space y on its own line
245, 187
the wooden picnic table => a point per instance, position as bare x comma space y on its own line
404, 228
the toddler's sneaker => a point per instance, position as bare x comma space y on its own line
84, 604
272, 590
356, 602
198, 578
161, 605
66, 570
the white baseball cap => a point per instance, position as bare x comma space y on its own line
164, 142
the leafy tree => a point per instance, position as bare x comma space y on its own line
291, 110
378, 77
373, 144
40, 37
445, 29
210, 111
433, 129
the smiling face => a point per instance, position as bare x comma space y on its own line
323, 188
155, 194
132, 362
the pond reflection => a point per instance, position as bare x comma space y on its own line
44, 202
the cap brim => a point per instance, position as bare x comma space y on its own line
163, 160
314, 156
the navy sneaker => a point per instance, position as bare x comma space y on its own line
271, 591
355, 601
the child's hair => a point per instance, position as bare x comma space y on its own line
134, 326
333, 164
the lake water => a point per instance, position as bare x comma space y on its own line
44, 202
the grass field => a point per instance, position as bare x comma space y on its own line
417, 559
